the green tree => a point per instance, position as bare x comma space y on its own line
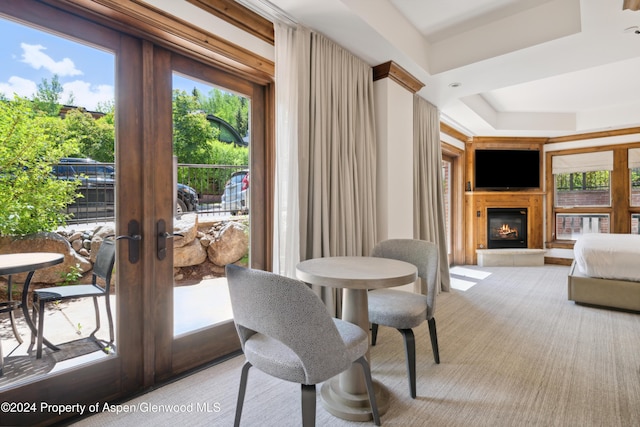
231, 108
48, 96
32, 199
193, 136
93, 137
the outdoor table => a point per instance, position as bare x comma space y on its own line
27, 262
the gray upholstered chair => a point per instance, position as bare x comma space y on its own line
286, 331
406, 310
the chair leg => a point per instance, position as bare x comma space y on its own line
434, 339
241, 392
374, 333
109, 319
370, 390
40, 328
97, 311
410, 349
34, 319
308, 405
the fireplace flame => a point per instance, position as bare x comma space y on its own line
506, 231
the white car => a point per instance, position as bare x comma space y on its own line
235, 198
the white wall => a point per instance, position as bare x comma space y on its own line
394, 131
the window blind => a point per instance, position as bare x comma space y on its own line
634, 158
584, 162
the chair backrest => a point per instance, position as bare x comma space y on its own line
105, 260
422, 254
287, 310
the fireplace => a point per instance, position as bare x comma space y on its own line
506, 228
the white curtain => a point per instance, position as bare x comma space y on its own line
325, 154
292, 94
429, 213
337, 163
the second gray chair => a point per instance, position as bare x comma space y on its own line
406, 310
286, 331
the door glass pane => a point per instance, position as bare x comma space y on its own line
56, 176
211, 146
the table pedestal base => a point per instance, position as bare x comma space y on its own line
352, 407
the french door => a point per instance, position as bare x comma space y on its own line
147, 349
214, 334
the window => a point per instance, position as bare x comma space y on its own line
569, 226
635, 223
634, 176
447, 166
582, 187
583, 179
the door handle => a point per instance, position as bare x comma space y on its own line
134, 238
162, 236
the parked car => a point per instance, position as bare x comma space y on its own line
97, 188
235, 198
187, 199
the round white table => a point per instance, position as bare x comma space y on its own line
346, 395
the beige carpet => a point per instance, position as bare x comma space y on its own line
514, 352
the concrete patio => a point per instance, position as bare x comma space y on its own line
68, 324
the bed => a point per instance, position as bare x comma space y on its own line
606, 271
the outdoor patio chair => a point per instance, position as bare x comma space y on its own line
286, 331
102, 268
406, 310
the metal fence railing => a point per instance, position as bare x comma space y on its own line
207, 189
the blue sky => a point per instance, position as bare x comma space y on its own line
28, 55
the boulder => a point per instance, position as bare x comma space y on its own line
45, 242
192, 254
230, 246
187, 227
99, 235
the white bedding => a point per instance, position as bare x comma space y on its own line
609, 256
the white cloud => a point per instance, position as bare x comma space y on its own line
85, 95
17, 85
33, 55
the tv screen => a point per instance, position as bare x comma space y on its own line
507, 169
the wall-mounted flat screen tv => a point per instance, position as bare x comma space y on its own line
507, 169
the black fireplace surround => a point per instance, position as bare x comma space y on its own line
506, 228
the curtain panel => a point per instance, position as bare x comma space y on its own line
337, 160
428, 205
292, 124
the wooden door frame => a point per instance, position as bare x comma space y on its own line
456, 157
115, 376
106, 22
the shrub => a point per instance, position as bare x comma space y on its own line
31, 198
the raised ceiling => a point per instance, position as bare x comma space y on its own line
524, 67
540, 68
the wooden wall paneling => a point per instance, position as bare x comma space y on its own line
620, 188
481, 201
